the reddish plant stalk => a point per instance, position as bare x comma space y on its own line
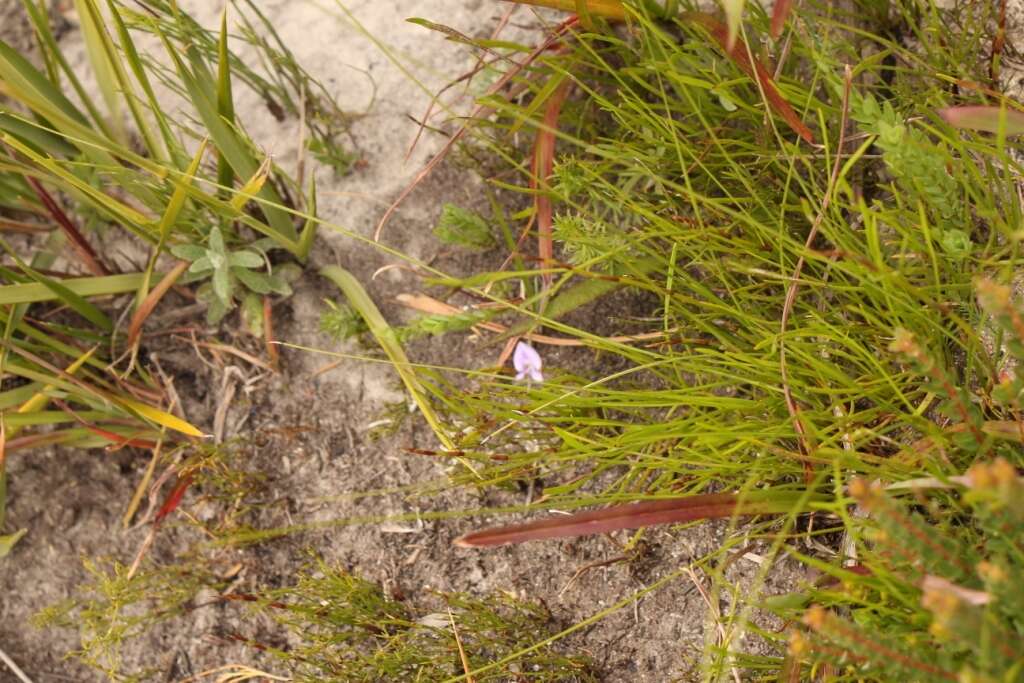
89, 257
543, 164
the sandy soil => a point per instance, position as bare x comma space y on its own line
307, 433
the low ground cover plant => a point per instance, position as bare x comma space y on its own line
811, 223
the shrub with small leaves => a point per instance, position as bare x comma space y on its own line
589, 241
120, 604
919, 167
953, 575
935, 595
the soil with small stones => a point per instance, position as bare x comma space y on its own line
308, 432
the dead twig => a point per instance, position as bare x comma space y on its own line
592, 565
248, 357
227, 396
15, 669
462, 652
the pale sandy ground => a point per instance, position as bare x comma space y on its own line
71, 501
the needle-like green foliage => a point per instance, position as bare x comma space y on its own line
348, 629
675, 187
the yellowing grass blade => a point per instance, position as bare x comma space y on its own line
7, 542
609, 9
42, 397
161, 417
733, 14
169, 218
181, 192
252, 186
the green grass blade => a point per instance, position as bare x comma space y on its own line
82, 287
121, 83
225, 100
40, 138
385, 336
48, 44
18, 74
203, 93
171, 148
68, 297
309, 230
93, 31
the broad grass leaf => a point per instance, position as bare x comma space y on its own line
84, 287
637, 516
385, 336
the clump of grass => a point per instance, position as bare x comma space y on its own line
76, 165
286, 87
724, 223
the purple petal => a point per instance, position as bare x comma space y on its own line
525, 357
527, 362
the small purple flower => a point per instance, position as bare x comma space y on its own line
527, 363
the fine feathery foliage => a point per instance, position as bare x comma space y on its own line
348, 629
